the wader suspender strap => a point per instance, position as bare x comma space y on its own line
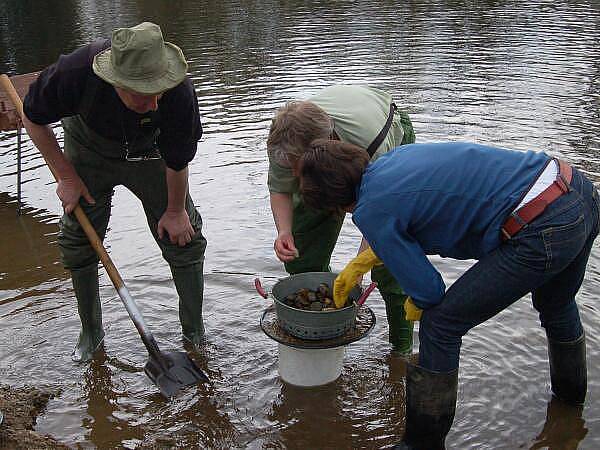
383, 133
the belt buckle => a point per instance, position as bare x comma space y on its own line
154, 154
518, 219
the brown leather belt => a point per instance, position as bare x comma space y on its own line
533, 208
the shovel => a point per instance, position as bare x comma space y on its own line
170, 371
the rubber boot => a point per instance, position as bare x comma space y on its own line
430, 408
400, 329
568, 371
85, 284
189, 282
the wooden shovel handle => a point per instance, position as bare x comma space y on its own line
12, 93
89, 230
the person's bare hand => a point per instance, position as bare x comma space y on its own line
178, 226
284, 246
69, 190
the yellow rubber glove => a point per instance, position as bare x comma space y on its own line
412, 311
346, 280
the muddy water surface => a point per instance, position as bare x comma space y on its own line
523, 75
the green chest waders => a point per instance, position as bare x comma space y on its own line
77, 254
102, 164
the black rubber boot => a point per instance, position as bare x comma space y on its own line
189, 282
430, 407
568, 371
85, 284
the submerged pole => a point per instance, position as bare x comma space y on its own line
19, 170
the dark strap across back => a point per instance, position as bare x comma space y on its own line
383, 133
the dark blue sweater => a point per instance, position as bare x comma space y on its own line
447, 199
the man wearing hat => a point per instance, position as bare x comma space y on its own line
130, 117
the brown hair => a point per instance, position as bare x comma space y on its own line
293, 128
330, 171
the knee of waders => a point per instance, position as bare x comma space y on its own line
76, 252
188, 255
77, 257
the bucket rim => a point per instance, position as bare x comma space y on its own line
280, 303
306, 274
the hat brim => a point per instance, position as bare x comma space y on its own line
176, 72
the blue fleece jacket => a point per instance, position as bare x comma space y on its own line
447, 199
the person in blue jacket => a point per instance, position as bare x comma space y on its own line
528, 219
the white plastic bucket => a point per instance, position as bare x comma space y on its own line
310, 367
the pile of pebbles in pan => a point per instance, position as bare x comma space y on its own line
319, 300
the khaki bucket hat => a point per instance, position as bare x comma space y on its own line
140, 60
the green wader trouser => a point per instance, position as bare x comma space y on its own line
91, 336
315, 234
147, 180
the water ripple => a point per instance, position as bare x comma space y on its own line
523, 75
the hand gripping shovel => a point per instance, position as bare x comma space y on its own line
170, 371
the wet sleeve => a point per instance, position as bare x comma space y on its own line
281, 179
57, 91
403, 256
180, 126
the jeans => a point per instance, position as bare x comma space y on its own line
547, 258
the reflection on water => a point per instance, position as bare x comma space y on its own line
103, 422
29, 255
302, 408
516, 74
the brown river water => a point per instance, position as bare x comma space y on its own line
523, 75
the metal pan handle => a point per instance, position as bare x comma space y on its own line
365, 294
260, 289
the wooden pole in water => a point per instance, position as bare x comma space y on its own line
19, 124
19, 169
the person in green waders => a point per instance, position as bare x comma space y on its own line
358, 115
130, 117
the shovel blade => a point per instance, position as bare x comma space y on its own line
173, 371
